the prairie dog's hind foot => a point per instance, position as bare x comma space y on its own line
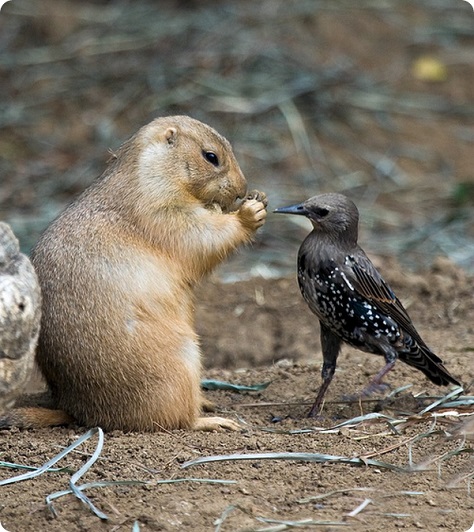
220, 424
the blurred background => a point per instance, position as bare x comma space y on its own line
374, 99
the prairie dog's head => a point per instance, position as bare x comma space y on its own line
182, 159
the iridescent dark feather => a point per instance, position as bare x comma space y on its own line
348, 295
355, 288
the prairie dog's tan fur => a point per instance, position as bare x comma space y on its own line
117, 345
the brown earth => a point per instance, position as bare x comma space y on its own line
315, 97
263, 330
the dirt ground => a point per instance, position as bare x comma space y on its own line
373, 100
261, 331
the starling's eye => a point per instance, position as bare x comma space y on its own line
321, 211
211, 157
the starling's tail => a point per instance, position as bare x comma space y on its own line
422, 358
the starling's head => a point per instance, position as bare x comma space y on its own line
332, 214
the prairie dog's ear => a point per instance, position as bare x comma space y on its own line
170, 135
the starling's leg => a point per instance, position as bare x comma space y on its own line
327, 374
330, 344
376, 383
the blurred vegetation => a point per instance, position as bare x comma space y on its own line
373, 99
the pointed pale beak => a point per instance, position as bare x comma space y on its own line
292, 209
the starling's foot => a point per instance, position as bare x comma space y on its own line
315, 412
317, 408
373, 387
376, 387
319, 418
318, 404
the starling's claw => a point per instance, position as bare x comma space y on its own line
368, 391
376, 387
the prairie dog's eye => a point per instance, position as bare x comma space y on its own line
211, 157
321, 211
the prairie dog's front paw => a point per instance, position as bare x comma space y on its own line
257, 195
252, 212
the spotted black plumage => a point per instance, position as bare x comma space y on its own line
353, 303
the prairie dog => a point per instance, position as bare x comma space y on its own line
118, 267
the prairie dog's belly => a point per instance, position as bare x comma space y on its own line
144, 291
110, 310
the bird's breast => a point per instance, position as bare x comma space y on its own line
332, 298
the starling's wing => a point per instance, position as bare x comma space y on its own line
368, 282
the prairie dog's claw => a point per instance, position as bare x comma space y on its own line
257, 195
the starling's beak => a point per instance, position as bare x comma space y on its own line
293, 209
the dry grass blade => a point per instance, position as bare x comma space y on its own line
389, 449
303, 457
72, 481
57, 494
111, 483
399, 390
454, 393
367, 417
280, 524
220, 520
12, 465
463, 477
293, 431
330, 494
466, 401
303, 523
210, 384
359, 508
433, 459
47, 466
78, 474
198, 480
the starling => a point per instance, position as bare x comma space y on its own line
352, 301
